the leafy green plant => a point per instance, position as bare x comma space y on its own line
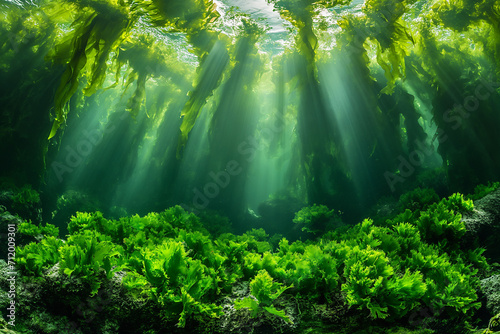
136, 231
234, 253
255, 262
259, 234
29, 229
200, 247
26, 195
388, 271
482, 190
439, 223
257, 240
418, 199
451, 283
407, 216
458, 203
371, 283
176, 282
264, 291
312, 271
86, 254
35, 257
315, 219
82, 221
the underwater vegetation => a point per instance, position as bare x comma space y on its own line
143, 105
166, 271
208, 166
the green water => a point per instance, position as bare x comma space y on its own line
250, 110
233, 106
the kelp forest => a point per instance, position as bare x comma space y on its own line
259, 166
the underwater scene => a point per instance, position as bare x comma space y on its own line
250, 166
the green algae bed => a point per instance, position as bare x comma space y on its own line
260, 166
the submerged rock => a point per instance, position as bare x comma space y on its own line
7, 220
490, 287
483, 224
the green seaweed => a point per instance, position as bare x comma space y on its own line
482, 190
100, 29
388, 272
35, 257
37, 231
85, 255
264, 292
315, 219
176, 282
418, 199
386, 26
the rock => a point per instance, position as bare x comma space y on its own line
483, 224
6, 220
490, 287
10, 224
240, 289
